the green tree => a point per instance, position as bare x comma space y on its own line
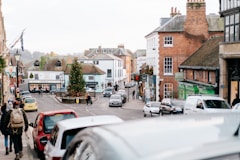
2, 64
76, 81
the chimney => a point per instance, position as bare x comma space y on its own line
121, 46
196, 22
174, 12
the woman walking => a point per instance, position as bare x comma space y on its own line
4, 130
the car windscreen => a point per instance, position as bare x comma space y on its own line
216, 104
29, 100
116, 97
50, 120
155, 104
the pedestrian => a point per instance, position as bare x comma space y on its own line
236, 100
89, 99
16, 122
133, 94
4, 130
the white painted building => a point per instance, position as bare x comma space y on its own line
45, 80
111, 65
152, 59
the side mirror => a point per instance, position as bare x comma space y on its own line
200, 106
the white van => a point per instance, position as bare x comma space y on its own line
205, 104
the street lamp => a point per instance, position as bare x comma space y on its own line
17, 57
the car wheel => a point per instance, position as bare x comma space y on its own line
144, 115
150, 114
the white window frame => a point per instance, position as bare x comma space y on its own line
168, 90
168, 66
168, 41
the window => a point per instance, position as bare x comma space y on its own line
82, 151
232, 27
109, 73
36, 76
168, 41
90, 77
168, 90
95, 62
168, 66
209, 77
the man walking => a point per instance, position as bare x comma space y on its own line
16, 121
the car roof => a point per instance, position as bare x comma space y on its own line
206, 97
62, 111
87, 121
115, 95
165, 137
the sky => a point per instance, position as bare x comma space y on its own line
72, 26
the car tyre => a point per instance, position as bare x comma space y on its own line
151, 114
144, 115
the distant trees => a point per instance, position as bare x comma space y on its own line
76, 81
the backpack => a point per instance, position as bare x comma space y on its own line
16, 118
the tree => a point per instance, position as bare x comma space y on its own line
2, 64
76, 81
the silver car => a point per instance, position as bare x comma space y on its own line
115, 100
190, 137
151, 108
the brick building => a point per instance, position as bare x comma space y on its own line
177, 38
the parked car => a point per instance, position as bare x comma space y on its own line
171, 106
54, 90
24, 93
203, 136
108, 91
205, 104
122, 92
44, 124
150, 108
65, 130
30, 104
26, 96
115, 100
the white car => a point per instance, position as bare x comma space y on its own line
115, 100
189, 137
151, 108
65, 130
205, 104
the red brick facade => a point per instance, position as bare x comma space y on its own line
185, 43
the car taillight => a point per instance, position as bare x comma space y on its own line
40, 128
56, 158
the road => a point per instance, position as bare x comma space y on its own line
131, 110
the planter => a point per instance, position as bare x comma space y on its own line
68, 100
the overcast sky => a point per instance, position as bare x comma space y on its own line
72, 26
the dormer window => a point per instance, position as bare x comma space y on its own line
36, 63
58, 63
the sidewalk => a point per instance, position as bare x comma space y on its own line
27, 155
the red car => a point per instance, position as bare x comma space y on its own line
44, 124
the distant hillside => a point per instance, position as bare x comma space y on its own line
26, 56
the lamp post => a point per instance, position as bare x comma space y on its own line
17, 57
